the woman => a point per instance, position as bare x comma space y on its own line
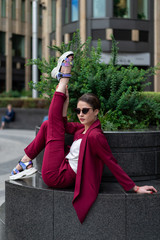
83, 164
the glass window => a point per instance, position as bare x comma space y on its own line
143, 36
74, 10
3, 8
23, 11
67, 7
99, 8
122, 8
122, 34
31, 10
39, 48
142, 12
2, 43
13, 9
53, 15
40, 15
18, 46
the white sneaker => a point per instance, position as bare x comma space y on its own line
56, 70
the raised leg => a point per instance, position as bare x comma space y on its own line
54, 154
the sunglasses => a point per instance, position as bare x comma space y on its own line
84, 110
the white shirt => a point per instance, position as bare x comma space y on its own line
73, 155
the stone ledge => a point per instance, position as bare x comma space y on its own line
26, 118
140, 163
49, 214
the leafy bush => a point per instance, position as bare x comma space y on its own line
16, 94
25, 103
118, 88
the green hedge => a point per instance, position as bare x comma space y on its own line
153, 95
44, 103
25, 102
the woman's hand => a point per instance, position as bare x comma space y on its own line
144, 189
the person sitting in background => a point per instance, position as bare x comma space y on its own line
9, 116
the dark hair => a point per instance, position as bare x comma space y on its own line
91, 99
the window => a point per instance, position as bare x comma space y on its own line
99, 8
53, 15
13, 9
143, 36
18, 46
31, 11
122, 8
2, 43
67, 14
3, 8
122, 34
39, 48
23, 11
142, 11
40, 15
74, 10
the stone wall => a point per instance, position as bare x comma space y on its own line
25, 118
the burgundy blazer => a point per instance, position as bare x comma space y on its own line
94, 153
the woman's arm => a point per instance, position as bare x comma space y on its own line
104, 152
70, 127
66, 103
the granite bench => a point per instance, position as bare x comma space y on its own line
35, 211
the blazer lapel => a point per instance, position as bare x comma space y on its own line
81, 158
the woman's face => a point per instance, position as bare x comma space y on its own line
88, 118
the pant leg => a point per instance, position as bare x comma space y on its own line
54, 155
3, 119
38, 144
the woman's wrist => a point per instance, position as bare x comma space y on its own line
136, 188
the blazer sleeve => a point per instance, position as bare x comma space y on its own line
71, 127
104, 153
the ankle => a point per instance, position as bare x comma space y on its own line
26, 159
66, 70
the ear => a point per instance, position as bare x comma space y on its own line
96, 111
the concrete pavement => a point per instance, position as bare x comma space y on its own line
12, 144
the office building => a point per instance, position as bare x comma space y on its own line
135, 24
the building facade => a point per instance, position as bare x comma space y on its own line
135, 24
16, 40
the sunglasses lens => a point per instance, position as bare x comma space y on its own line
85, 110
77, 110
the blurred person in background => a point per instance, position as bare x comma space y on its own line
9, 116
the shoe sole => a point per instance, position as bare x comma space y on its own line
23, 174
34, 170
55, 70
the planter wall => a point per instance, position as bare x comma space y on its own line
137, 152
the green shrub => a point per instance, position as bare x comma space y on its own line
16, 94
25, 103
123, 106
152, 95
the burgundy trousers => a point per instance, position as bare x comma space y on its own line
56, 171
